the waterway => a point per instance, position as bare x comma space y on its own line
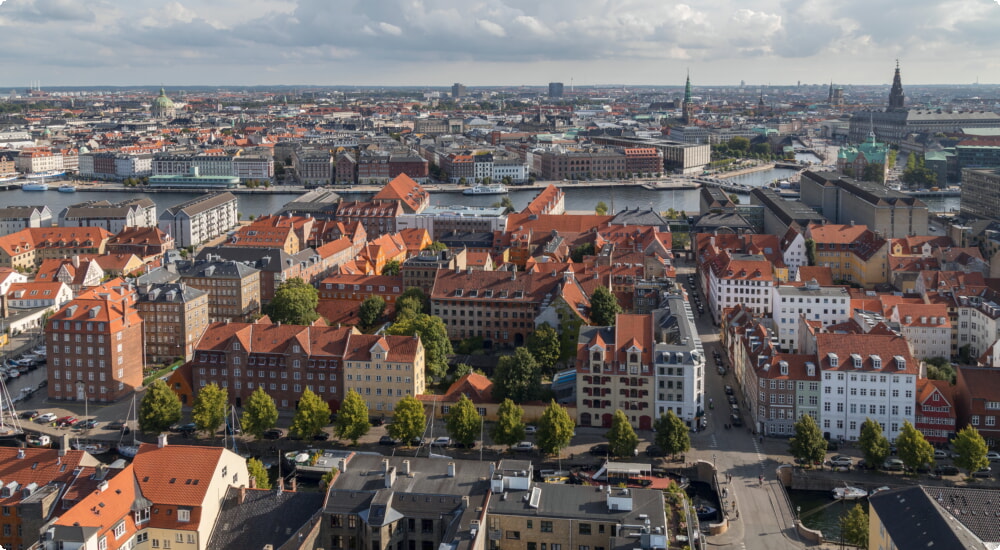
819, 511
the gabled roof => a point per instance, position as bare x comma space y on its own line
913, 519
176, 474
403, 189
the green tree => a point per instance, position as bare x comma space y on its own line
209, 410
415, 293
874, 172
555, 429
159, 409
352, 418
810, 251
739, 144
544, 346
517, 377
436, 246
913, 449
581, 250
311, 415
408, 421
461, 370
761, 148
258, 473
434, 337
939, 368
808, 444
601, 209
391, 268
294, 303
259, 414
735, 198
854, 526
671, 434
327, 478
604, 307
505, 203
407, 306
873, 443
509, 428
371, 311
971, 450
622, 440
464, 423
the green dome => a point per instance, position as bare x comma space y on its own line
162, 101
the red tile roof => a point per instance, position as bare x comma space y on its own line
403, 189
176, 474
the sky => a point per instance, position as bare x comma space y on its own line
495, 42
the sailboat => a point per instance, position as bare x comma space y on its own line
126, 450
10, 426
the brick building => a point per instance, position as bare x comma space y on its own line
233, 288
174, 317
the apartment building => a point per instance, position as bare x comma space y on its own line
313, 167
33, 160
378, 218
147, 243
7, 166
36, 294
288, 233
253, 167
825, 305
16, 218
936, 413
174, 317
977, 402
277, 266
593, 163
233, 287
926, 328
198, 220
679, 360
140, 212
441, 220
405, 191
843, 200
27, 249
643, 160
420, 271
95, 345
114, 166
854, 253
730, 279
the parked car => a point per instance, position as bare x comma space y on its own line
28, 415
600, 449
986, 473
87, 424
116, 425
187, 429
729, 389
993, 456
45, 418
441, 442
841, 460
530, 429
524, 446
388, 441
274, 433
655, 451
321, 436
946, 471
43, 384
939, 454
893, 465
376, 420
66, 421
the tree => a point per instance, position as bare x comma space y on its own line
873, 444
408, 421
622, 440
913, 449
544, 346
808, 444
604, 307
391, 268
735, 198
671, 434
294, 303
311, 415
371, 310
939, 368
436, 246
874, 172
601, 209
209, 410
810, 251
258, 473
434, 337
854, 526
555, 429
971, 450
739, 144
506, 203
463, 422
517, 377
509, 429
352, 418
159, 409
581, 250
259, 414
415, 293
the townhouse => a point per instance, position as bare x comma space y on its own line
274, 264
925, 327
735, 278
827, 305
287, 232
26, 249
936, 413
147, 243
30, 295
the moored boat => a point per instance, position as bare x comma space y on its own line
849, 493
67, 189
8, 179
92, 447
38, 441
491, 189
42, 175
705, 512
35, 187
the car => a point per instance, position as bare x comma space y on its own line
28, 415
187, 429
600, 449
893, 465
376, 420
986, 473
45, 418
388, 441
524, 447
946, 471
841, 460
458, 445
116, 425
442, 441
87, 424
530, 430
416, 441
939, 454
321, 436
731, 399
655, 451
274, 433
43, 384
993, 456
66, 421
729, 390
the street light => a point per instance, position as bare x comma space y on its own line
713, 460
86, 402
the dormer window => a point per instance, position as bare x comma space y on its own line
876, 361
783, 365
634, 358
597, 356
834, 360
856, 360
900, 362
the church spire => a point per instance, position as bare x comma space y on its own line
687, 88
896, 97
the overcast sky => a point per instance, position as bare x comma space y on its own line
495, 42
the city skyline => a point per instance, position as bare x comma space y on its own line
497, 42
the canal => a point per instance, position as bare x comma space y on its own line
820, 512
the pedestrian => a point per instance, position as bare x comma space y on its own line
760, 479
761, 439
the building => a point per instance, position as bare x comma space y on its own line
685, 158
113, 217
406, 192
378, 218
679, 361
906, 518
843, 200
936, 412
162, 107
287, 233
35, 160
976, 401
586, 163
781, 215
31, 295
16, 218
926, 327
194, 180
289, 520
198, 220
28, 248
854, 253
174, 317
147, 243
233, 287
729, 279
855, 161
420, 271
313, 168
277, 266
555, 90
440, 220
826, 305
457, 90
981, 193
95, 345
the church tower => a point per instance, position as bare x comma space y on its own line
896, 97
687, 100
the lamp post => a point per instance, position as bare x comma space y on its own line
86, 402
713, 460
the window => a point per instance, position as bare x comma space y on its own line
119, 529
183, 515
546, 526
102, 543
584, 528
514, 535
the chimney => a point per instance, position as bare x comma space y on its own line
252, 483
295, 484
390, 477
281, 484
406, 467
20, 453
161, 440
451, 469
343, 465
64, 446
243, 493
76, 261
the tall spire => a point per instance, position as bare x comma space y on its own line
830, 95
896, 97
687, 88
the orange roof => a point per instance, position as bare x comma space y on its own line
822, 274
104, 509
402, 188
176, 474
40, 466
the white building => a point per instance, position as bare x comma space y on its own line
793, 250
738, 279
198, 220
978, 324
139, 212
439, 220
926, 328
513, 168
31, 161
865, 376
133, 166
252, 167
483, 166
16, 218
679, 362
829, 305
50, 294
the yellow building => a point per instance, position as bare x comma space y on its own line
854, 253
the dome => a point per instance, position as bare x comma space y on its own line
162, 101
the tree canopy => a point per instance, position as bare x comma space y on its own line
391, 267
671, 434
371, 311
209, 410
464, 423
808, 444
416, 294
517, 377
971, 450
854, 526
544, 347
259, 413
408, 421
555, 429
604, 307
622, 440
352, 418
313, 413
159, 409
436, 246
294, 303
873, 443
509, 428
913, 449
434, 337
601, 209
258, 473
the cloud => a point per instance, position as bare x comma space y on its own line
491, 27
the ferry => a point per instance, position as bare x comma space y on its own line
35, 187
67, 189
849, 493
492, 189
9, 179
42, 175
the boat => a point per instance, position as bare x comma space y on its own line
8, 179
67, 189
491, 189
849, 493
557, 480
43, 175
35, 187
10, 425
92, 447
39, 441
705, 512
878, 490
123, 449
